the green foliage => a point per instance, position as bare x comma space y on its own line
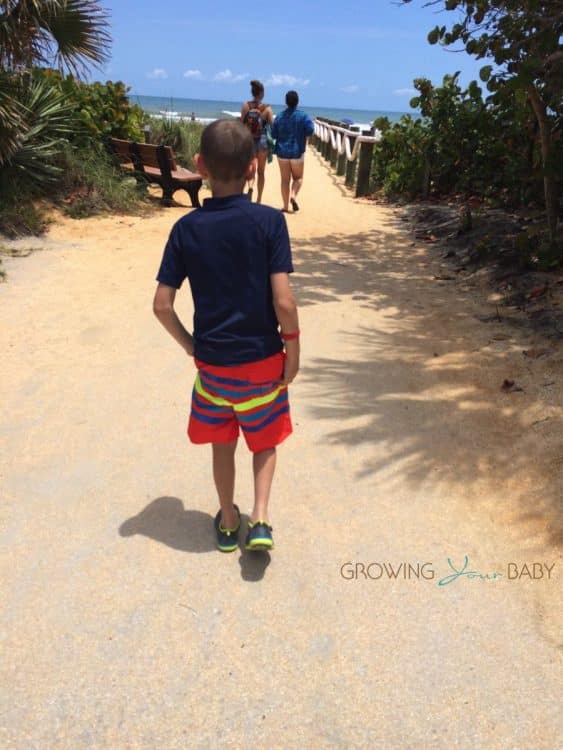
462, 144
86, 184
69, 32
19, 215
90, 184
523, 37
35, 135
50, 124
99, 109
399, 161
524, 40
183, 136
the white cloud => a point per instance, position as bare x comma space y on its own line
405, 92
352, 89
227, 76
157, 73
196, 75
284, 79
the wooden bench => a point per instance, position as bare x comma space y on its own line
156, 164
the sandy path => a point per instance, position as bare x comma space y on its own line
125, 629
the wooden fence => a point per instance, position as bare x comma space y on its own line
348, 149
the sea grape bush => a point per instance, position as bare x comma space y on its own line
100, 109
522, 39
461, 144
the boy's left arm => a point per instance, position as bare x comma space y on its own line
163, 307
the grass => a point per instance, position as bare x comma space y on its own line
22, 216
88, 184
92, 185
183, 136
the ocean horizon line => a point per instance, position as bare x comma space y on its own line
204, 109
273, 104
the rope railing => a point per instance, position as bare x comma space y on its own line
342, 146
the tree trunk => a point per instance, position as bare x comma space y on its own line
549, 183
426, 176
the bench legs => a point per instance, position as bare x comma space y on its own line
167, 193
192, 189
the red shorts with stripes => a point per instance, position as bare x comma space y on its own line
249, 397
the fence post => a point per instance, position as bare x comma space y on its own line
332, 152
351, 165
333, 157
341, 164
364, 167
328, 149
315, 141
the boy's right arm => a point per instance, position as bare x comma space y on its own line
163, 307
286, 312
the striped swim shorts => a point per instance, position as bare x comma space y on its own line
249, 397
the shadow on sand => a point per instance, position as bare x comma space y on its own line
427, 396
165, 520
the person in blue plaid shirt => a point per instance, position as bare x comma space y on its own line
291, 129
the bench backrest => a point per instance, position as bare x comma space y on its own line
121, 148
153, 156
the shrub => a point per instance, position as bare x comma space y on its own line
462, 144
91, 184
400, 158
34, 135
20, 216
182, 135
100, 109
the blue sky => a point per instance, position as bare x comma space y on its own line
358, 54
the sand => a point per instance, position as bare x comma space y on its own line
123, 627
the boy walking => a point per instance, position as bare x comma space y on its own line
236, 256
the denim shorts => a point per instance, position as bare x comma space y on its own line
260, 144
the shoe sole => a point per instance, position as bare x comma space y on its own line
227, 549
294, 205
259, 546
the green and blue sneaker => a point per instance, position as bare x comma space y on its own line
227, 539
259, 536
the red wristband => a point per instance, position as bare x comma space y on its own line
290, 336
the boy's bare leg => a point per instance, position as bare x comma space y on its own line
224, 476
264, 465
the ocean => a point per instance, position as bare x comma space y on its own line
206, 110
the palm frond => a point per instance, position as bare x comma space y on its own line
45, 122
79, 29
11, 120
72, 33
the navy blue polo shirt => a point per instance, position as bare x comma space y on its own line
227, 249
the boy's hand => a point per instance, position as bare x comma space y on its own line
163, 306
189, 347
291, 366
286, 313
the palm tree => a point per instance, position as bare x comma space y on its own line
70, 34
